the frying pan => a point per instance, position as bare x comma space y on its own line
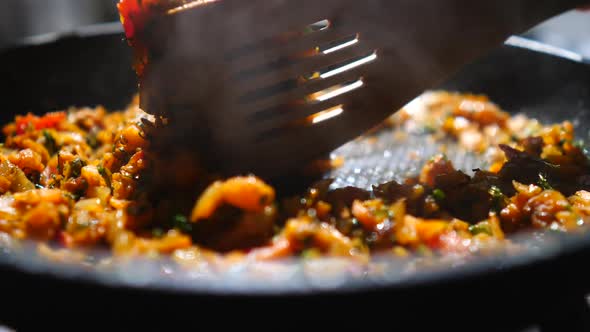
545, 286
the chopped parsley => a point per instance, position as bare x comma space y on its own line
106, 174
76, 167
182, 223
157, 233
543, 182
579, 144
92, 140
481, 228
423, 250
310, 253
438, 194
50, 143
499, 200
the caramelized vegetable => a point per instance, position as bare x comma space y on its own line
246, 193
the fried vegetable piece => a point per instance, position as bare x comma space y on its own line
301, 234
230, 228
89, 178
248, 193
12, 178
234, 214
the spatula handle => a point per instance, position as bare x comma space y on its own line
427, 41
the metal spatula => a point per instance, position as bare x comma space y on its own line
268, 85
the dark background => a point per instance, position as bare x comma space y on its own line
24, 18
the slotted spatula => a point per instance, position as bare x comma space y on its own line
268, 85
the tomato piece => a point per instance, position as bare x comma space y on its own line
132, 16
135, 15
22, 122
49, 120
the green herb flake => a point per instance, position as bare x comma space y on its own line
182, 223
481, 228
59, 167
310, 253
438, 194
157, 233
382, 214
71, 196
106, 174
579, 144
499, 200
543, 182
429, 129
142, 129
50, 143
423, 250
496, 192
92, 140
81, 225
76, 167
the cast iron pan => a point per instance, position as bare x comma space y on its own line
545, 286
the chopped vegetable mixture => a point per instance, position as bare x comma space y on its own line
89, 178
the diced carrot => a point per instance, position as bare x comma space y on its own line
364, 216
92, 176
133, 138
429, 230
